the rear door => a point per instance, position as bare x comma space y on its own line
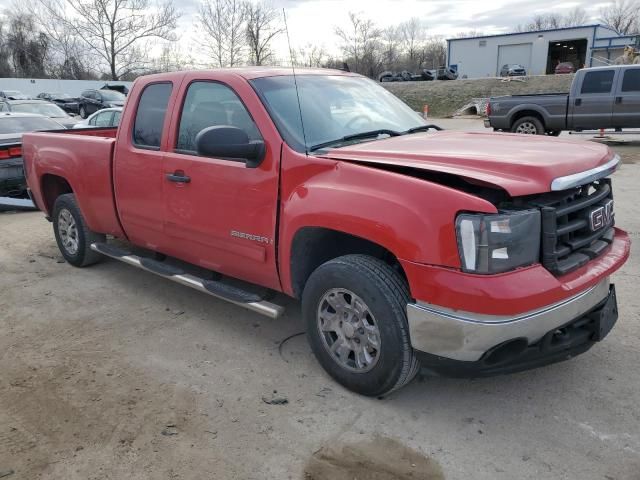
224, 216
138, 175
592, 105
626, 107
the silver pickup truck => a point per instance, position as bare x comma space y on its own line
600, 97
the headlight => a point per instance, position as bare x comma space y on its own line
498, 243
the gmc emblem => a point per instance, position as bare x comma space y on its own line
602, 216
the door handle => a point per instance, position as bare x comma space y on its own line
618, 99
178, 177
578, 102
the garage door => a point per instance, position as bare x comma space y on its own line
520, 53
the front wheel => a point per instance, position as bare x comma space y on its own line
355, 314
72, 234
83, 112
528, 126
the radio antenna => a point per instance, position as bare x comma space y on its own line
295, 81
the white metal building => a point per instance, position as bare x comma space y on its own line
539, 52
34, 86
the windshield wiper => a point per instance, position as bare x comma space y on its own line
424, 128
355, 136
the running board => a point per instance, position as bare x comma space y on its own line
220, 290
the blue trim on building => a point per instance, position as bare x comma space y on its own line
593, 43
594, 26
448, 53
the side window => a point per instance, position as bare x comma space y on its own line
209, 104
631, 80
116, 118
598, 81
152, 107
103, 119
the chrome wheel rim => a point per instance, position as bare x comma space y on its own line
527, 128
348, 330
68, 231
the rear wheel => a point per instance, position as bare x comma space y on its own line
83, 112
72, 234
355, 313
528, 126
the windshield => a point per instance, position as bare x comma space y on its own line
46, 109
27, 124
333, 106
112, 95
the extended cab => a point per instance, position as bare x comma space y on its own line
406, 246
600, 97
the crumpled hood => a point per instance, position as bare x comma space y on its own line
520, 164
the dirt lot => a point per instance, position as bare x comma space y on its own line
111, 373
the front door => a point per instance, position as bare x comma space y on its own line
219, 214
626, 107
592, 106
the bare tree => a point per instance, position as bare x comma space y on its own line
413, 34
361, 44
310, 55
262, 27
27, 46
469, 34
623, 16
116, 31
223, 23
575, 17
433, 52
391, 46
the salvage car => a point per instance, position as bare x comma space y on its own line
93, 100
108, 117
13, 185
406, 246
600, 97
65, 101
513, 70
39, 107
13, 95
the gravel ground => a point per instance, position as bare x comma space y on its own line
109, 372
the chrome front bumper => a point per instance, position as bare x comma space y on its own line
467, 336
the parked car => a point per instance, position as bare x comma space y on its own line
13, 185
13, 95
107, 117
65, 101
93, 100
564, 67
513, 70
467, 253
600, 97
40, 107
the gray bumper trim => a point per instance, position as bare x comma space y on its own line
467, 336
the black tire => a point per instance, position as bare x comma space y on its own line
81, 255
532, 124
83, 112
385, 294
554, 133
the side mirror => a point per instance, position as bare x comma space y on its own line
225, 141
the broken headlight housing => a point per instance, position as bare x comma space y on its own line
494, 243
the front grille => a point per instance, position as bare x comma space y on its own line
569, 240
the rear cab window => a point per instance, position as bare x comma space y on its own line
631, 80
150, 115
598, 81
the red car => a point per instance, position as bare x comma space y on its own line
467, 253
564, 67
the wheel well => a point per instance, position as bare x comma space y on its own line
52, 187
527, 113
313, 246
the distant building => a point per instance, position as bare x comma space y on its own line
539, 52
34, 86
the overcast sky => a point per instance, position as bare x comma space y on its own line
314, 21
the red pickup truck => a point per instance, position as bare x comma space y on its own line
463, 253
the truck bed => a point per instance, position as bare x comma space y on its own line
85, 156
